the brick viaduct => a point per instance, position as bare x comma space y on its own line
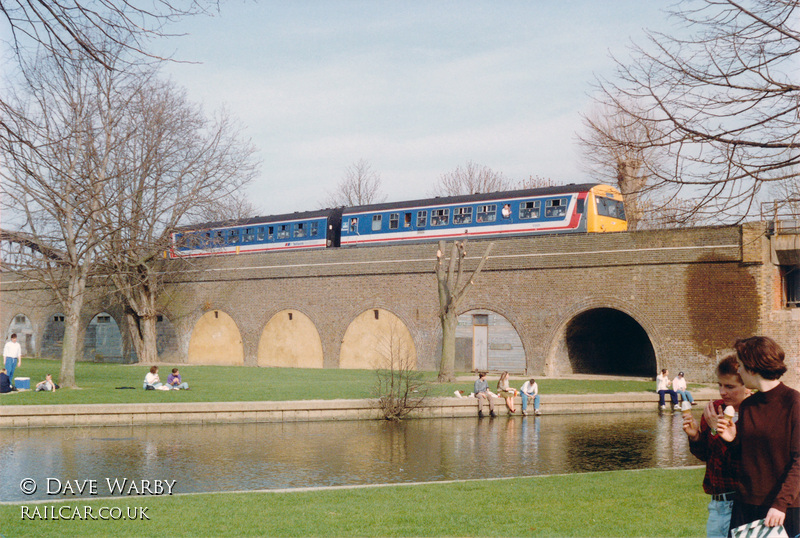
625, 303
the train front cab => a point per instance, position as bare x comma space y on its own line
605, 211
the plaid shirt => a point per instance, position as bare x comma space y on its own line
722, 467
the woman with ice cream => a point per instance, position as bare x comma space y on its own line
707, 446
767, 437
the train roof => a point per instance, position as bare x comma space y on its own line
255, 221
423, 202
472, 198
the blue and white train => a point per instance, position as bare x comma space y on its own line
563, 209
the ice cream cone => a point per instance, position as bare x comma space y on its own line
686, 409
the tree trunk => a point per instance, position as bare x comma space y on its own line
69, 347
143, 334
447, 367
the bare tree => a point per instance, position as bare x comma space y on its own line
176, 165
54, 175
535, 182
622, 148
472, 178
725, 99
399, 386
453, 288
361, 185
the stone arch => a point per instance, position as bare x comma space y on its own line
374, 336
21, 326
290, 339
216, 340
102, 341
502, 349
53, 336
603, 336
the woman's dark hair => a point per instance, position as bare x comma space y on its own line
153, 369
729, 366
761, 355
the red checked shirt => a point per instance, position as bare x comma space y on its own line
722, 468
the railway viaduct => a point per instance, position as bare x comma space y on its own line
620, 304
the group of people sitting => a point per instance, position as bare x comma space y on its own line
47, 384
678, 389
528, 391
174, 382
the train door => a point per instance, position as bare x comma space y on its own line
480, 342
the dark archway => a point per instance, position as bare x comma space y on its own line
607, 341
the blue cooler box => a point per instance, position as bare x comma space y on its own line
22, 383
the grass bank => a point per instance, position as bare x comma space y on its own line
98, 384
659, 502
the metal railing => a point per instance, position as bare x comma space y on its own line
783, 214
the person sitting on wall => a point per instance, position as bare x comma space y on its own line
47, 385
174, 381
506, 392
530, 389
481, 392
5, 382
662, 387
679, 386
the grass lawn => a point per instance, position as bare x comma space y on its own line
658, 502
98, 384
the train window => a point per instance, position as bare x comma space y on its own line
440, 217
314, 229
283, 231
353, 225
219, 239
487, 213
506, 212
407, 220
260, 234
608, 207
376, 223
299, 229
555, 208
394, 221
462, 215
270, 233
249, 235
422, 219
233, 236
530, 210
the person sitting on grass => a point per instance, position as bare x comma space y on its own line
5, 382
151, 380
174, 381
47, 385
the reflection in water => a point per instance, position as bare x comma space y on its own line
229, 457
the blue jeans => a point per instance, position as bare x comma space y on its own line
672, 396
719, 518
525, 399
11, 364
686, 395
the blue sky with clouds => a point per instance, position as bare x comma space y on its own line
414, 87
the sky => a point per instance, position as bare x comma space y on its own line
416, 88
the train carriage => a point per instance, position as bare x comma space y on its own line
306, 230
570, 208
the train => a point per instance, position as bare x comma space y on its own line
573, 208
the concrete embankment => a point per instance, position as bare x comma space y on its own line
33, 416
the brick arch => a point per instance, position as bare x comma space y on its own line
290, 339
103, 338
22, 325
499, 360
370, 339
215, 339
557, 360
